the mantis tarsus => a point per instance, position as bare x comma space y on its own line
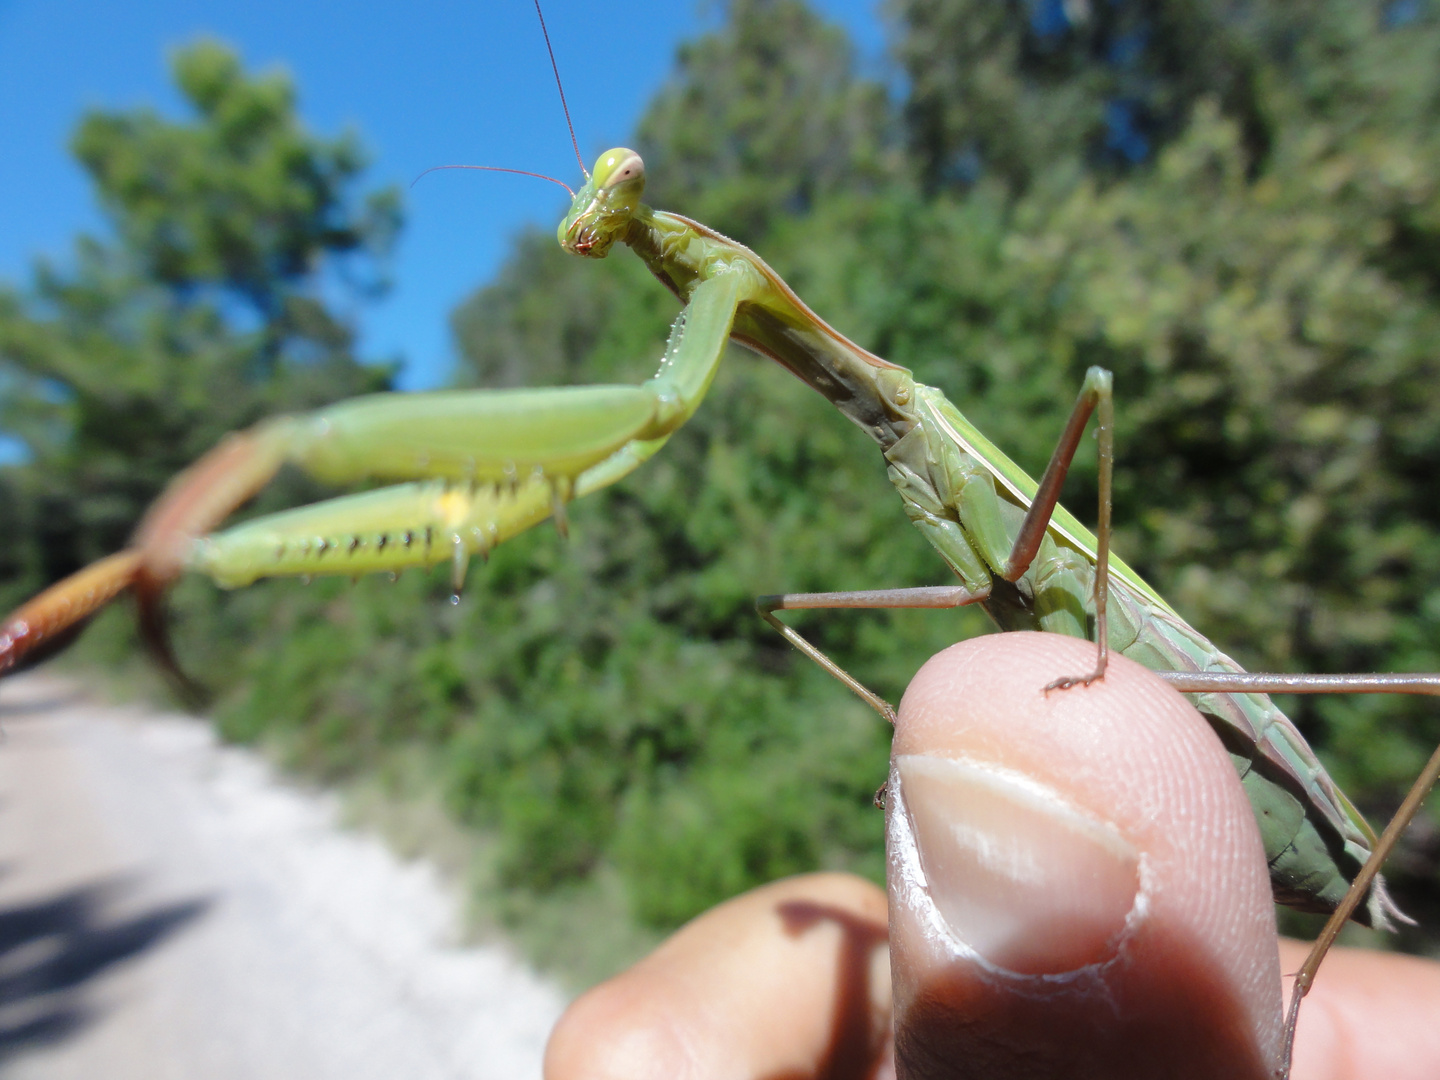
474, 468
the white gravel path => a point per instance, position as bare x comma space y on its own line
170, 910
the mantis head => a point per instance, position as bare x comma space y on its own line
602, 210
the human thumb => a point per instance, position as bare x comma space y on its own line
1077, 885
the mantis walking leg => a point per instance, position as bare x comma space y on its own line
1095, 395
936, 596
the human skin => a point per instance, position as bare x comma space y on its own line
1077, 889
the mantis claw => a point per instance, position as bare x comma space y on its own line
1075, 680
1101, 660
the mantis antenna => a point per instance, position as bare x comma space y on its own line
564, 105
561, 87
497, 168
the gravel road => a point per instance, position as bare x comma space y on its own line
170, 910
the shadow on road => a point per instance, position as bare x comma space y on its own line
50, 950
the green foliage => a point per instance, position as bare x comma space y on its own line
763, 118
1020, 90
243, 200
1261, 278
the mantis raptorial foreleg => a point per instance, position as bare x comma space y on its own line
498, 462
494, 474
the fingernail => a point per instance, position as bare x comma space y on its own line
1031, 882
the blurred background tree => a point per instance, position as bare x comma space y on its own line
206, 309
1232, 206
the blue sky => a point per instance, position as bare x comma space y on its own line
425, 84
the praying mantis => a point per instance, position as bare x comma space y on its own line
469, 470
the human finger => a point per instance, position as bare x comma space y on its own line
1369, 1015
791, 979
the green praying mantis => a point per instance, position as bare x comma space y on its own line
469, 469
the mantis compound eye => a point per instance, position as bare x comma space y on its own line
617, 169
